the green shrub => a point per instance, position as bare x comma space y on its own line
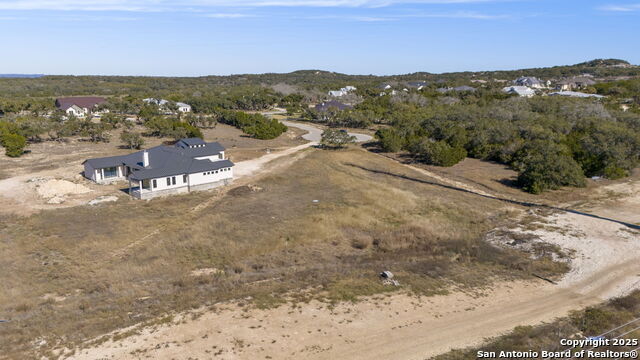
389, 140
336, 138
544, 165
132, 140
14, 144
440, 153
256, 125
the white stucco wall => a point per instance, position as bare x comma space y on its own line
192, 179
201, 178
212, 157
162, 183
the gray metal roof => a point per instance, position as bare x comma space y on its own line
575, 94
324, 106
464, 88
192, 141
416, 83
166, 160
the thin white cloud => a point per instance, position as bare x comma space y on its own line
453, 15
167, 5
621, 8
463, 15
228, 16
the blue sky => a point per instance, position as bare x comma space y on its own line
219, 37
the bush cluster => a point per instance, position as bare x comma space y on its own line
255, 125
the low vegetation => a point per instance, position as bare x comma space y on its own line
591, 321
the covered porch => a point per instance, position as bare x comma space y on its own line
111, 174
140, 189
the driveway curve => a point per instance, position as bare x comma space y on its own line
313, 135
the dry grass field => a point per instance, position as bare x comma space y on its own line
327, 225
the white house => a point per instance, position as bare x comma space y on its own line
75, 110
523, 91
79, 106
182, 107
336, 93
161, 103
191, 164
529, 81
342, 92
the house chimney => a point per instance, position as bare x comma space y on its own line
145, 158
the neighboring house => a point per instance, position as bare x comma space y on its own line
326, 105
576, 94
529, 81
458, 88
159, 102
523, 91
384, 86
418, 85
342, 92
182, 107
337, 93
79, 106
191, 164
578, 82
464, 88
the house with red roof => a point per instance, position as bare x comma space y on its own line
79, 106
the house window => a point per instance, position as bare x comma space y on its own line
110, 172
155, 183
173, 180
184, 179
168, 181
